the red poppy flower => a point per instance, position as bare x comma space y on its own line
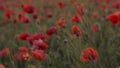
89, 54
80, 9
60, 4
28, 8
4, 52
51, 31
25, 20
23, 36
49, 14
113, 18
38, 36
8, 14
23, 49
118, 14
75, 19
35, 15
30, 39
23, 56
39, 44
39, 54
20, 15
60, 23
75, 29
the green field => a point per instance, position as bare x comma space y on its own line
57, 33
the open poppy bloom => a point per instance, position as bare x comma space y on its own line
89, 54
113, 18
28, 8
39, 54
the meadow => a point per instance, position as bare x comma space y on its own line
59, 33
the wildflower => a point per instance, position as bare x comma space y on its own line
80, 9
39, 54
20, 15
39, 44
30, 39
60, 23
23, 49
89, 54
34, 15
23, 54
25, 20
49, 14
113, 18
4, 52
60, 4
51, 31
28, 8
75, 29
8, 14
23, 36
75, 19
